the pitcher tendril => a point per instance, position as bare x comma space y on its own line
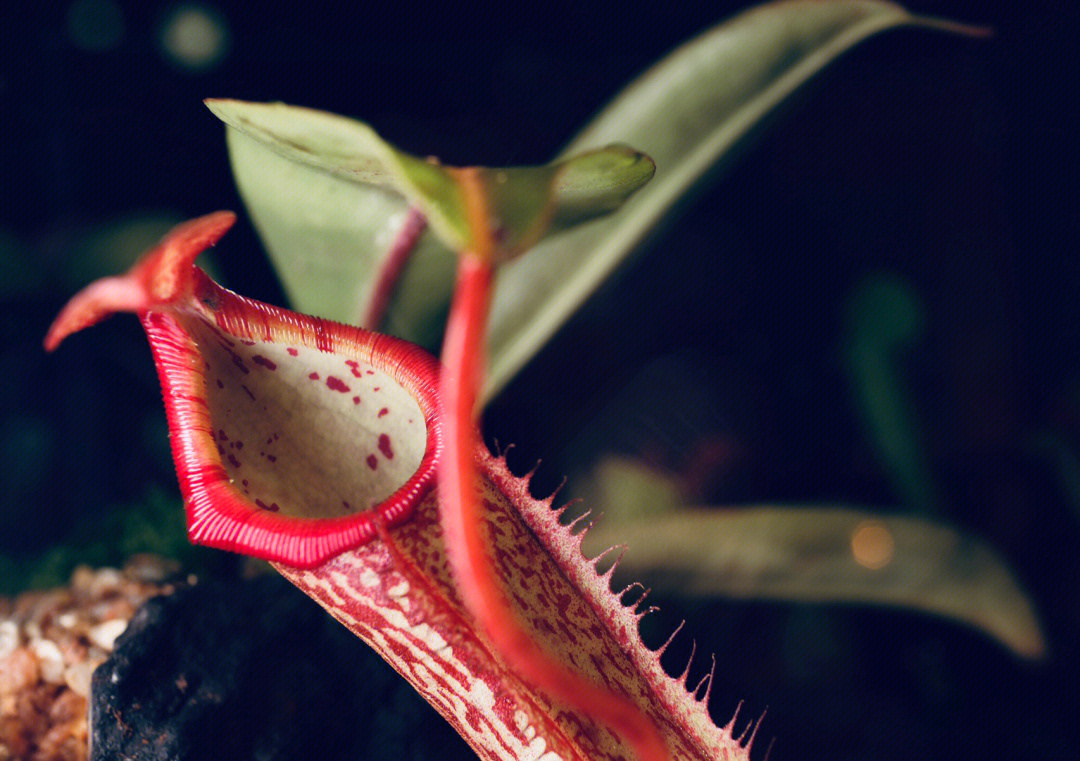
460, 510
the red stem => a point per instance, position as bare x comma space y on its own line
391, 267
460, 510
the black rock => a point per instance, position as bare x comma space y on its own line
254, 670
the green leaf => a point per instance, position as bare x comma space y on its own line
828, 554
687, 112
326, 236
328, 195
598, 182
325, 190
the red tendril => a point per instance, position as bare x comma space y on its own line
463, 362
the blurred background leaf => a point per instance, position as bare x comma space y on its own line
884, 318
690, 112
824, 555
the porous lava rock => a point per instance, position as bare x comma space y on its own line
253, 670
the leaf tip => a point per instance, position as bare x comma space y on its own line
218, 106
598, 182
975, 31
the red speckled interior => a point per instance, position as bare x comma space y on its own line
305, 432
292, 435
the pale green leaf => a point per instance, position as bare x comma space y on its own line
817, 555
325, 235
350, 149
328, 196
598, 182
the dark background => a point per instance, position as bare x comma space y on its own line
945, 162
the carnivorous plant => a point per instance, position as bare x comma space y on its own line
351, 460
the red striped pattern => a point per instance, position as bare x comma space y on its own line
402, 601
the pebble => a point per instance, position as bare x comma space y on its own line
77, 676
9, 638
106, 580
19, 670
50, 660
67, 707
151, 568
104, 634
117, 607
51, 642
81, 578
73, 648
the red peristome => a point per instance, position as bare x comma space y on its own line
220, 516
166, 290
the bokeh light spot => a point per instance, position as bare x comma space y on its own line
195, 37
872, 545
